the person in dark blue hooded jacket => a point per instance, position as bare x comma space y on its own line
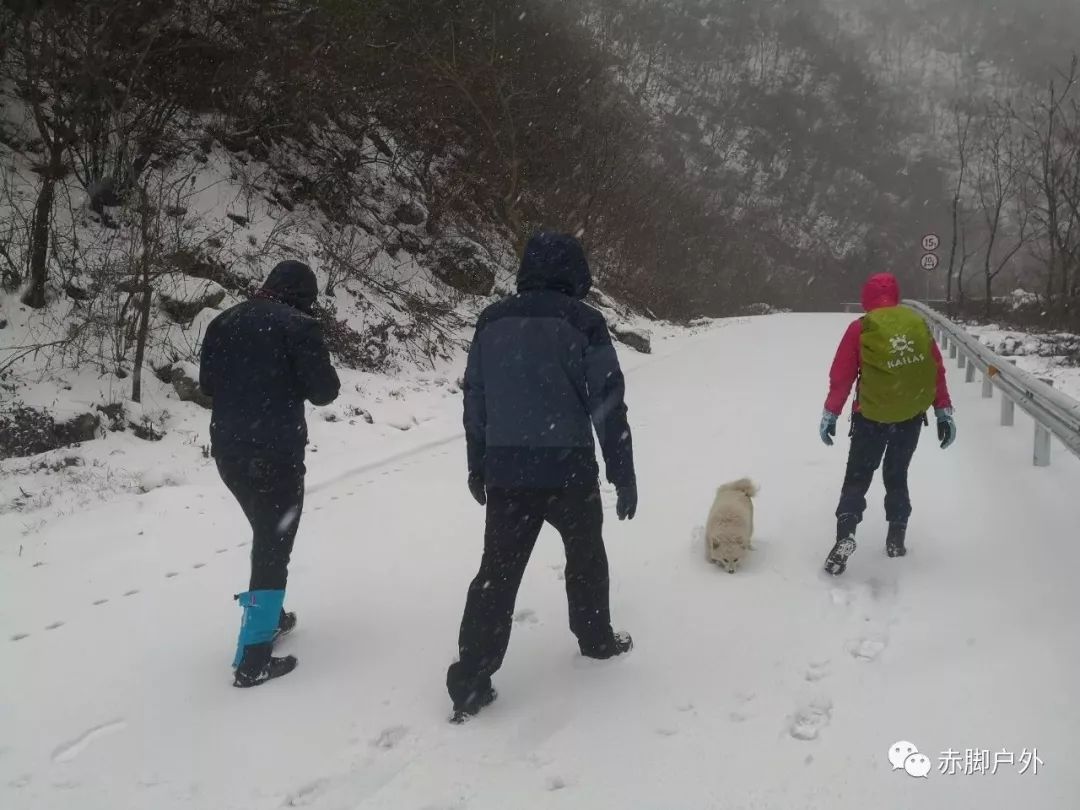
261, 360
542, 375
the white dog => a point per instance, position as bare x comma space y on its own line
730, 527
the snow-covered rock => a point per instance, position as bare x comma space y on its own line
637, 339
184, 378
411, 213
183, 297
465, 266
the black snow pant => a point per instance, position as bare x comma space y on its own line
514, 521
271, 493
871, 442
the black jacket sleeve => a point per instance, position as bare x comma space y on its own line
607, 406
207, 361
475, 417
311, 362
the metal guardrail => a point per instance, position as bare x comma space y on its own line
1054, 412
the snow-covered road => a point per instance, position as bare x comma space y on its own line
772, 688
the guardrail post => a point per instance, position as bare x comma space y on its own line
988, 385
969, 376
952, 349
961, 360
1008, 407
1042, 439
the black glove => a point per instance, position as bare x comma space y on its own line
626, 506
476, 487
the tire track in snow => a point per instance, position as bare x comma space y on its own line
68, 751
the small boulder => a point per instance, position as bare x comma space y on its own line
82, 428
411, 213
185, 382
634, 338
183, 297
78, 288
464, 265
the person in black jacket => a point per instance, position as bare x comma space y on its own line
260, 361
542, 374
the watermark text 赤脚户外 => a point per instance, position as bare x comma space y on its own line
905, 756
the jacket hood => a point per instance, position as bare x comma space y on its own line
555, 261
292, 283
881, 290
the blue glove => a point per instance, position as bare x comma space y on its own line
946, 426
828, 427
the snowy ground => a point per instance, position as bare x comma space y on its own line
772, 688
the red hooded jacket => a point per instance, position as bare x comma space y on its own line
881, 290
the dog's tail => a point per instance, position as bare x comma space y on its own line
743, 485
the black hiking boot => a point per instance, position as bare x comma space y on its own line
618, 644
473, 705
894, 540
286, 624
259, 666
836, 562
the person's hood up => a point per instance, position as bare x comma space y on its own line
555, 261
292, 283
881, 290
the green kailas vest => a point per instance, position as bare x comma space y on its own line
898, 375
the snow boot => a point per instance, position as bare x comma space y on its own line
836, 562
262, 622
257, 665
894, 540
472, 706
286, 624
618, 644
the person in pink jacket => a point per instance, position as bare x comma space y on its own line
891, 358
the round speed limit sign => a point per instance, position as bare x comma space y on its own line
930, 243
929, 262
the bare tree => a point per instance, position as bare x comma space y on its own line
962, 120
1001, 182
1050, 166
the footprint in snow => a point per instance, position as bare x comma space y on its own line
818, 670
554, 783
810, 718
171, 574
867, 649
306, 794
131, 592
841, 597
390, 737
197, 566
221, 551
54, 625
19, 636
97, 602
